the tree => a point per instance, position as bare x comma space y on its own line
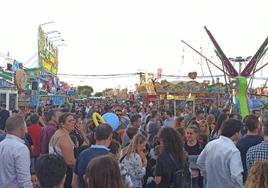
102, 93
105, 91
85, 90
98, 94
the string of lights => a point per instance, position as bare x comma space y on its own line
96, 77
99, 75
108, 76
126, 75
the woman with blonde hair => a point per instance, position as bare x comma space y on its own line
211, 122
204, 132
135, 160
258, 175
179, 122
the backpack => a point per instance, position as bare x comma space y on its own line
181, 178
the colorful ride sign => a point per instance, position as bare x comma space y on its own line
47, 53
48, 62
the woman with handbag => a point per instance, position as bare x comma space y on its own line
172, 170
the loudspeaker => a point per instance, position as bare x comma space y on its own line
34, 85
9, 66
233, 84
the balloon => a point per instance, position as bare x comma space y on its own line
96, 117
192, 75
111, 119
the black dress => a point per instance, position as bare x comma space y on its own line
164, 168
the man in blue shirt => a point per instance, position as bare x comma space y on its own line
15, 156
136, 122
168, 119
252, 138
258, 152
103, 136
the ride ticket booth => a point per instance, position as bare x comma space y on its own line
176, 102
9, 97
152, 99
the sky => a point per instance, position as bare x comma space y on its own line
123, 36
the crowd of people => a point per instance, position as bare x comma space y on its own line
152, 147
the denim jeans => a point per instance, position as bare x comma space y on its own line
195, 183
33, 162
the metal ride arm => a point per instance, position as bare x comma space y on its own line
210, 71
252, 76
254, 60
203, 56
227, 64
260, 68
208, 60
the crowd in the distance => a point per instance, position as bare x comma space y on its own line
151, 148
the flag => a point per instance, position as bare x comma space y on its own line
16, 65
159, 73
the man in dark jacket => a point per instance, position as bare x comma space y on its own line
4, 114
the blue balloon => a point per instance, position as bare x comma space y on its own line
111, 119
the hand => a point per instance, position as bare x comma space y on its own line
143, 159
79, 127
186, 154
144, 162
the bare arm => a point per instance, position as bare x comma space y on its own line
80, 129
201, 160
86, 141
41, 121
75, 181
157, 179
67, 150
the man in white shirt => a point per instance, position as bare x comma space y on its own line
15, 156
220, 161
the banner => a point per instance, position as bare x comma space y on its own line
150, 88
7, 76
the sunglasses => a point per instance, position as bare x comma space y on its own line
71, 120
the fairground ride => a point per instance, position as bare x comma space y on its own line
237, 80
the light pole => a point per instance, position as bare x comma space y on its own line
61, 44
62, 40
58, 36
51, 32
38, 79
52, 40
46, 23
40, 30
240, 60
